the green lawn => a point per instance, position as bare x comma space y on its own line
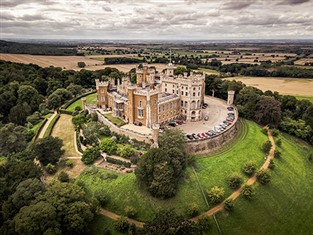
90, 99
310, 98
37, 126
115, 120
212, 170
285, 205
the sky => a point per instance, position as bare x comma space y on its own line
157, 19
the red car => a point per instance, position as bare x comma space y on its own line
204, 135
200, 136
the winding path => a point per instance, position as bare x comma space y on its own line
215, 209
44, 129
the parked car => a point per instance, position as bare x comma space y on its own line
189, 137
230, 108
195, 136
204, 135
173, 124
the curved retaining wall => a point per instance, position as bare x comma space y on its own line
212, 144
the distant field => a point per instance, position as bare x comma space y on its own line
286, 86
305, 98
208, 71
70, 62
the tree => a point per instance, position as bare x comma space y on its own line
75, 89
234, 181
63, 94
24, 194
54, 101
216, 194
263, 177
48, 149
248, 192
121, 225
108, 145
193, 209
277, 154
39, 218
51, 169
81, 64
19, 113
13, 139
73, 210
266, 147
29, 95
204, 223
268, 111
63, 177
102, 197
249, 168
130, 212
126, 151
90, 155
168, 222
79, 119
229, 204
271, 165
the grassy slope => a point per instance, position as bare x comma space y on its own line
212, 171
285, 205
36, 126
90, 99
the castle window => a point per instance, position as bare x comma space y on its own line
194, 94
194, 88
182, 93
102, 90
186, 93
165, 89
102, 98
140, 113
140, 104
173, 91
198, 93
182, 103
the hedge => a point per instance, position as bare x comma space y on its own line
65, 106
78, 143
118, 162
40, 128
51, 125
63, 111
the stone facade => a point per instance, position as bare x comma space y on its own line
152, 101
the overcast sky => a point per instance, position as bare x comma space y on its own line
157, 19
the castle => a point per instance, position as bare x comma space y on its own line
156, 98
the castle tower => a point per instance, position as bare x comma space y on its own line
84, 103
155, 135
102, 93
170, 70
230, 98
131, 103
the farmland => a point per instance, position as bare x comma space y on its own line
285, 86
70, 62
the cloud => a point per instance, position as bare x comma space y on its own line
236, 5
14, 3
106, 8
293, 2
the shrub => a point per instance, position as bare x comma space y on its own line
63, 177
130, 212
277, 154
34, 118
234, 181
248, 192
266, 147
263, 176
249, 168
193, 209
78, 108
121, 225
134, 160
109, 146
216, 194
126, 151
50, 168
204, 223
278, 142
69, 163
310, 157
101, 196
90, 155
275, 132
229, 205
271, 164
118, 162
